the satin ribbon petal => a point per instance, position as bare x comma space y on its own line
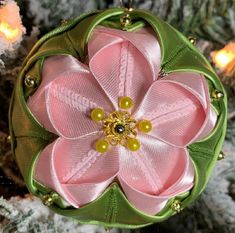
53, 67
155, 173
64, 104
177, 111
127, 70
196, 83
144, 40
76, 171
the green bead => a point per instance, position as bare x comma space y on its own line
97, 114
145, 126
125, 102
102, 146
133, 144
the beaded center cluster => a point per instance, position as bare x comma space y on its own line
119, 127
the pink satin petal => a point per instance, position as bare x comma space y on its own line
53, 67
176, 114
155, 173
75, 170
125, 73
144, 40
208, 126
196, 83
70, 100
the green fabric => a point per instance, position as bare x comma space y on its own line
112, 208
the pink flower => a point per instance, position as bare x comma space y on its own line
120, 64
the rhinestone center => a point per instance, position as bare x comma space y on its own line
120, 129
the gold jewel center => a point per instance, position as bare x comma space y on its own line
118, 127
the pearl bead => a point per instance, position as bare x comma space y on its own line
102, 146
97, 114
125, 102
145, 126
133, 144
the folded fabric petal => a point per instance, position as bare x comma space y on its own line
177, 109
53, 67
76, 171
197, 84
63, 105
144, 40
154, 174
127, 72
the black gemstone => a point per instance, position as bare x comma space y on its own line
119, 129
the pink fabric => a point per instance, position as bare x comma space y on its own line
120, 64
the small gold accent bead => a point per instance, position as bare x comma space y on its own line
217, 95
177, 206
64, 22
97, 114
125, 20
192, 40
145, 126
221, 155
133, 144
125, 102
49, 199
102, 146
29, 81
9, 139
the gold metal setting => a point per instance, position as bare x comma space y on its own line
177, 206
125, 19
119, 127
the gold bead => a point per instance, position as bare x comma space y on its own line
97, 114
102, 146
9, 139
125, 102
125, 20
221, 155
49, 199
177, 206
64, 22
29, 81
192, 40
217, 95
133, 144
145, 126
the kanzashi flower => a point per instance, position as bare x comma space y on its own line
118, 120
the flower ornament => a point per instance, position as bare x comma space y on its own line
118, 120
